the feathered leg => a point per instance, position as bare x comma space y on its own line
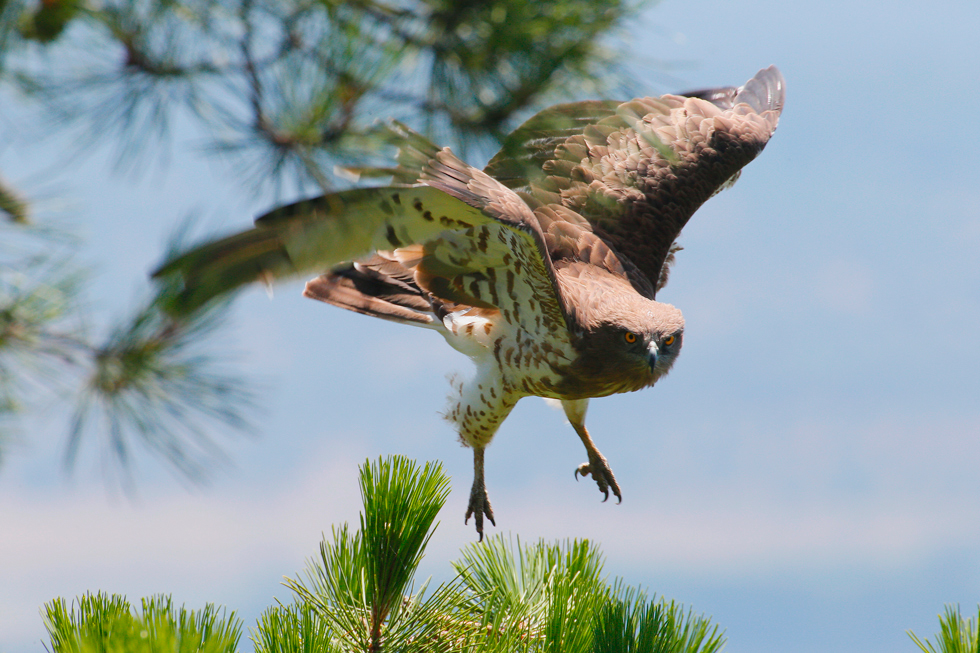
481, 405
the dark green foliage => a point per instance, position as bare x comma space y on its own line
956, 634
361, 585
49, 19
359, 596
99, 623
630, 623
37, 294
12, 204
295, 628
490, 60
288, 87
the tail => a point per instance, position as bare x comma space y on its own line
378, 286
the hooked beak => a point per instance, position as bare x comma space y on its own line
652, 356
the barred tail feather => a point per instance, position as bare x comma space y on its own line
371, 294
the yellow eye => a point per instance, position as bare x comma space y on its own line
669, 340
630, 337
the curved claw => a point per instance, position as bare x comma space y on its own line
478, 507
584, 469
600, 471
597, 466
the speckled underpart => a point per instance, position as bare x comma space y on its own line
510, 362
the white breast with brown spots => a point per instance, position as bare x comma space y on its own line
510, 364
519, 347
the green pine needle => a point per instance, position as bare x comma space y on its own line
956, 634
100, 623
400, 506
358, 596
295, 628
630, 623
360, 583
547, 591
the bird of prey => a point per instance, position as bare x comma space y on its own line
543, 268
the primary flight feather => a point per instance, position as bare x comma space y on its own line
543, 268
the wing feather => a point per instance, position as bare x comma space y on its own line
604, 183
314, 235
636, 171
463, 237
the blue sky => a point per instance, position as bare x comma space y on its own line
806, 475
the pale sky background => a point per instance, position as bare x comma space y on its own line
807, 474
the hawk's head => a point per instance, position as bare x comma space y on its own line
625, 342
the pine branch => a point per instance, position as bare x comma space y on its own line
99, 623
153, 382
956, 634
11, 203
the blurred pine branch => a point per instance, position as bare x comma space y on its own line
295, 87
153, 378
288, 92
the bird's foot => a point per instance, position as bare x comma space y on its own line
602, 473
479, 507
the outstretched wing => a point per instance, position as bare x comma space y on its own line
638, 171
465, 238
